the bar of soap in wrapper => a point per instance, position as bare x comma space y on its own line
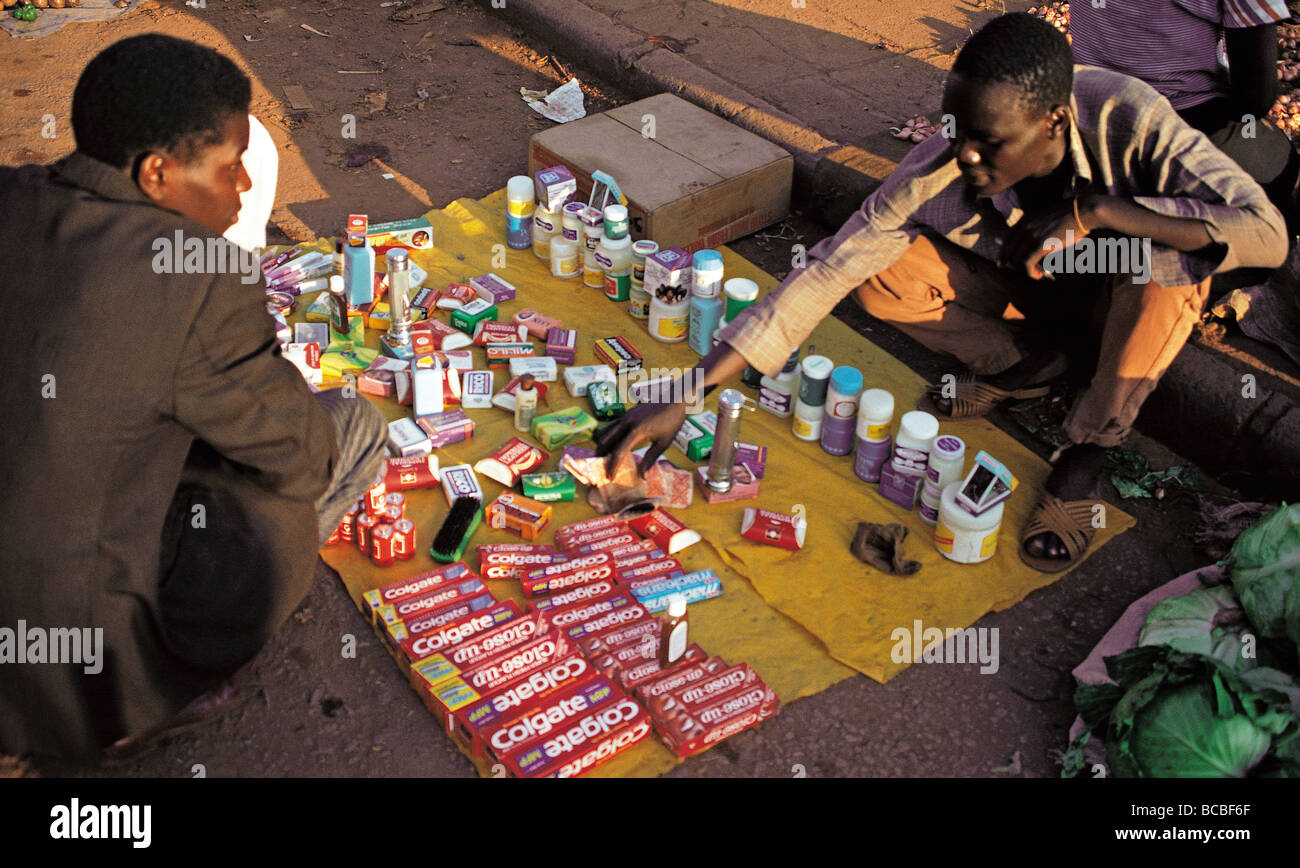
549, 487
511, 460
557, 429
774, 528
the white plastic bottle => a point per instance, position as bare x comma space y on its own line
875, 415
776, 394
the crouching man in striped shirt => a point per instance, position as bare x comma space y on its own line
986, 244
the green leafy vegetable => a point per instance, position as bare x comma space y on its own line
1264, 567
1174, 714
1209, 621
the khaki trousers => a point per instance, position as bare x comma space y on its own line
955, 302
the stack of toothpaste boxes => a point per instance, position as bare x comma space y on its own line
574, 680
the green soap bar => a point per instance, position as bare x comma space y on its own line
549, 487
604, 400
467, 317
356, 331
560, 429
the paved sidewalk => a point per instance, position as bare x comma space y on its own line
826, 80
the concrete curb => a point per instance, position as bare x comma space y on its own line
1200, 394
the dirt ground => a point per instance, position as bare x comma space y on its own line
440, 97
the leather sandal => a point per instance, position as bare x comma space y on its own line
1071, 521
973, 398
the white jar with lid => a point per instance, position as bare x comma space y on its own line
571, 221
810, 404
565, 262
945, 466
902, 478
962, 537
669, 322
875, 416
546, 225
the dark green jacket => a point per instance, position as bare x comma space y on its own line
152, 378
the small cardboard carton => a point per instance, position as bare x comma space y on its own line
692, 179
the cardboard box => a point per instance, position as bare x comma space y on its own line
699, 182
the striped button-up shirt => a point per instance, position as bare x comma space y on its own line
1172, 45
1125, 140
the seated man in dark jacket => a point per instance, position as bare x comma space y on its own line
168, 477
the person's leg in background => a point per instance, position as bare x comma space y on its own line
1146, 325
957, 303
262, 162
363, 435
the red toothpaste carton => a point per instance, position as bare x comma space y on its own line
691, 697
431, 642
415, 586
620, 635
459, 608
563, 534
556, 713
607, 620
648, 669
704, 727
571, 618
606, 544
574, 541
497, 673
589, 741
468, 723
435, 599
645, 575
513, 560
680, 677
558, 577
574, 596
460, 658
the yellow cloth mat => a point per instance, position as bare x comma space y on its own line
796, 606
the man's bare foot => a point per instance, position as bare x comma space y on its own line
1024, 373
1076, 476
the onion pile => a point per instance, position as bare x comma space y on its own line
916, 129
1056, 14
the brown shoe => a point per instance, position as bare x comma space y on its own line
222, 699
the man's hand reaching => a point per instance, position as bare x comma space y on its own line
656, 422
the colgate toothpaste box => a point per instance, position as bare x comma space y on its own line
621, 541
459, 659
468, 723
414, 586
647, 574
594, 738
436, 598
487, 678
553, 715
513, 560
572, 618
575, 596
572, 542
607, 620
691, 697
455, 610
559, 577
564, 534
417, 648
642, 672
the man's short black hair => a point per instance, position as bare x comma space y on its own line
1024, 51
155, 92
